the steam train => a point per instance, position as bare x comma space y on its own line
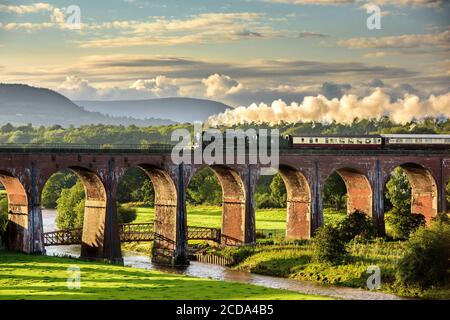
375, 141
379, 141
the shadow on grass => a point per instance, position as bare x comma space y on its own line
38, 279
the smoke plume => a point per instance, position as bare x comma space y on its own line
343, 110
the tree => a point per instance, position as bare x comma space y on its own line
427, 257
400, 220
70, 207
135, 186
3, 215
402, 223
53, 187
278, 193
334, 191
447, 192
398, 190
204, 188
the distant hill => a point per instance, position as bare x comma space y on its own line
23, 104
176, 109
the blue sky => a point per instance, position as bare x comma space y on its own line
238, 52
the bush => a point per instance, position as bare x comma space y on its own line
402, 223
126, 214
357, 224
442, 217
238, 254
426, 259
264, 201
328, 245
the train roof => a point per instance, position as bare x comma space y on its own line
403, 135
338, 135
423, 136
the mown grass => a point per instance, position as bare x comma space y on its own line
268, 222
211, 216
40, 277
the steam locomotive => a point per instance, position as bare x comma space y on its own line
379, 141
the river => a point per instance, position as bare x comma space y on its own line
211, 271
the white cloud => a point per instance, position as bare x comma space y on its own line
342, 110
218, 86
22, 9
201, 28
441, 40
313, 2
160, 86
412, 3
77, 88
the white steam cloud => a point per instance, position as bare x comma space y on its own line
343, 110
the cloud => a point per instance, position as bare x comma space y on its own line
441, 40
201, 28
397, 3
313, 2
77, 88
161, 86
333, 90
220, 85
310, 34
342, 110
412, 3
22, 9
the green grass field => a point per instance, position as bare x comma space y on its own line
211, 216
40, 277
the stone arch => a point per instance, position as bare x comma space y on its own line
298, 204
359, 191
234, 221
94, 242
424, 191
18, 210
165, 219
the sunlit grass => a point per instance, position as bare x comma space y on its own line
211, 216
40, 277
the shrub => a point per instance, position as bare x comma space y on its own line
357, 224
426, 259
126, 214
328, 245
442, 217
403, 223
264, 201
237, 254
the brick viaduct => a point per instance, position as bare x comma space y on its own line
365, 173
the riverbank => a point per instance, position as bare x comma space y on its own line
42, 277
294, 261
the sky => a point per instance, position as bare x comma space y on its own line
237, 52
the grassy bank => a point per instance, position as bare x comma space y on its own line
295, 262
211, 216
268, 221
39, 277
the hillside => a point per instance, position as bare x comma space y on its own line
175, 109
23, 104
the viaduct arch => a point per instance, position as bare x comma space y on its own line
24, 172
